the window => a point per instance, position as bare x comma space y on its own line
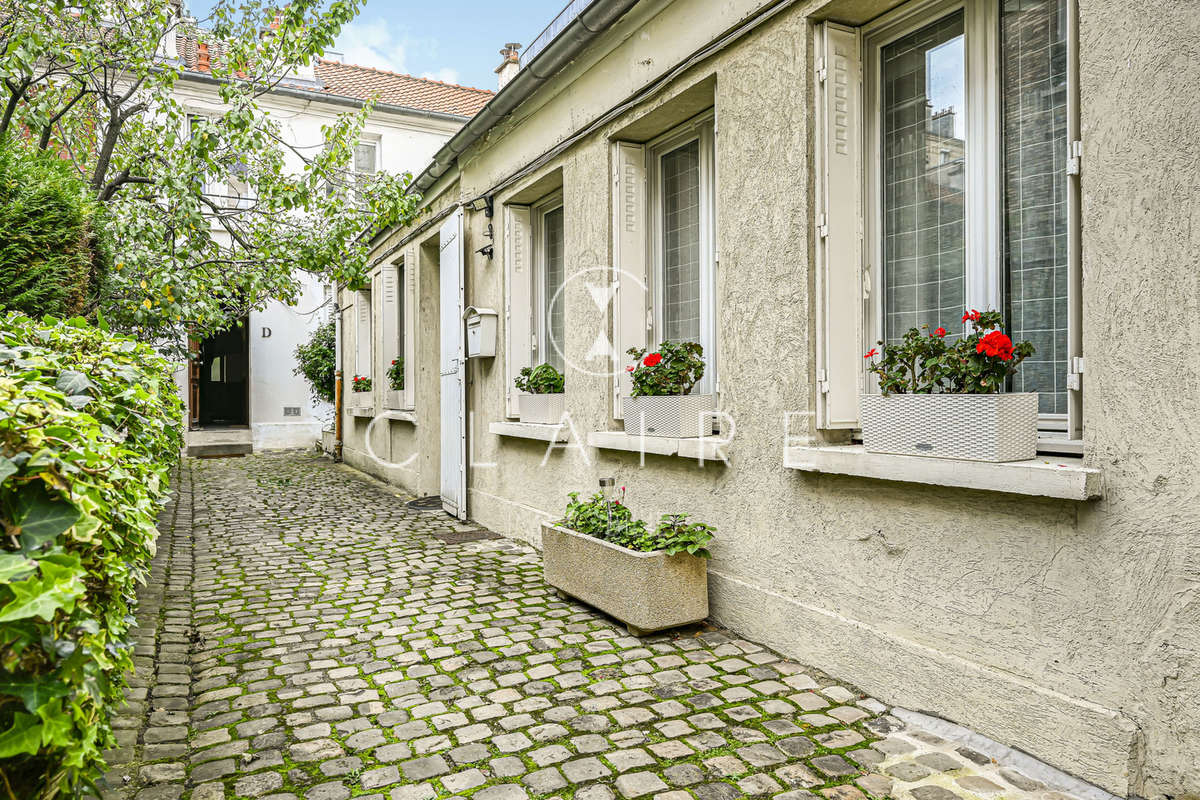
362, 333
235, 191
366, 156
959, 142
549, 331
665, 247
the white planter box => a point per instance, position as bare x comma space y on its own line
679, 416
646, 591
976, 427
394, 399
544, 409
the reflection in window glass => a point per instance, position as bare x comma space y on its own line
681, 243
553, 331
924, 164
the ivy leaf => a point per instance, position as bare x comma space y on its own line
58, 587
7, 467
71, 382
35, 693
23, 738
40, 516
14, 565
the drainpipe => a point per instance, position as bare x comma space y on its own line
337, 376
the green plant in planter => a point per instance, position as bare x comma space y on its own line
924, 362
395, 374
542, 379
612, 521
360, 384
674, 369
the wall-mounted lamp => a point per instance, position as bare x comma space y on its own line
483, 203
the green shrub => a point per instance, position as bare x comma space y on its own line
49, 259
316, 361
542, 379
395, 374
674, 369
612, 521
90, 426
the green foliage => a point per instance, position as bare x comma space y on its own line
49, 260
360, 384
395, 374
674, 369
316, 361
90, 426
924, 362
612, 521
208, 217
542, 379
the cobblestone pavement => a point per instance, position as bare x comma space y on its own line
305, 635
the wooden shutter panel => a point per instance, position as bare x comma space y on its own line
632, 315
840, 288
518, 299
412, 311
390, 314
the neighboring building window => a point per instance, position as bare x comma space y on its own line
682, 239
549, 326
964, 120
366, 164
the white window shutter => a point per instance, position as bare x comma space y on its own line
518, 299
412, 310
362, 341
840, 288
631, 297
390, 314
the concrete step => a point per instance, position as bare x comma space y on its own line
220, 450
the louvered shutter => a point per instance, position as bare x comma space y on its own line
518, 299
841, 297
362, 334
412, 310
632, 315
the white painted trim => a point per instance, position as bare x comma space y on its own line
703, 448
531, 430
1059, 476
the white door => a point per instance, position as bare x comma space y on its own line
453, 367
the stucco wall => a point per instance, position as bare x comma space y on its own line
1070, 630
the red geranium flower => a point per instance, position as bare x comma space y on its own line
653, 360
972, 315
940, 332
629, 368
871, 353
997, 345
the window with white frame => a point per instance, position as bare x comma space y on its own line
396, 282
549, 273
665, 246
362, 333
944, 135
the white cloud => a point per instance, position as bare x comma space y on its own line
445, 74
372, 43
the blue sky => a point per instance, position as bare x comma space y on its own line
457, 41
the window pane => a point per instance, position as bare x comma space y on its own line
364, 159
553, 320
1034, 53
681, 243
924, 163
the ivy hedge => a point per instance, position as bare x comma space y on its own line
90, 428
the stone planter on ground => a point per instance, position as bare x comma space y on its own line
677, 416
975, 427
542, 409
646, 591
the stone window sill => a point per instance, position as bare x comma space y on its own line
531, 430
400, 415
702, 448
1054, 476
360, 411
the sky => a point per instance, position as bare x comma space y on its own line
457, 41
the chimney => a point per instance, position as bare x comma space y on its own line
202, 64
510, 65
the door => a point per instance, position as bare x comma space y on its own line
224, 384
453, 367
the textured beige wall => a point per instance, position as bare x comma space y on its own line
1069, 630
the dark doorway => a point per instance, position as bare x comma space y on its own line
222, 378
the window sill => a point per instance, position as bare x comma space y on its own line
703, 448
531, 430
1061, 476
400, 415
360, 411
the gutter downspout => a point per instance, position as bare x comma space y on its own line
574, 39
337, 376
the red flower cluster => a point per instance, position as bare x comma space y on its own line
971, 315
871, 353
652, 360
996, 344
940, 333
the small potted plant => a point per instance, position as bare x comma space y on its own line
662, 403
649, 579
944, 398
542, 401
395, 379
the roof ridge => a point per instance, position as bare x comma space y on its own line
406, 75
